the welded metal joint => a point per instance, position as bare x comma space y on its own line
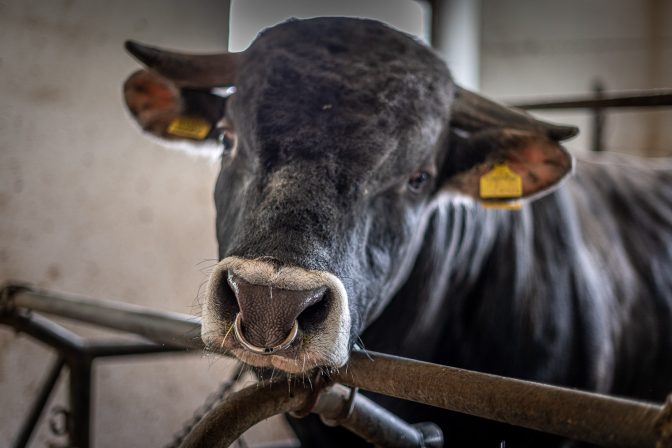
663, 425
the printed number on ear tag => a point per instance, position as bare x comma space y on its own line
500, 186
189, 127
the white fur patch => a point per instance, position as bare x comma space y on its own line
328, 347
206, 149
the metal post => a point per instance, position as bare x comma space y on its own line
79, 421
598, 117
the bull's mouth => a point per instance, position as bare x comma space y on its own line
287, 318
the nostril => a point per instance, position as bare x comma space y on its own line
315, 313
224, 300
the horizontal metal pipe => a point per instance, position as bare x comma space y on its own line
161, 326
659, 98
585, 416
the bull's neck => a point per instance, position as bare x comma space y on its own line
476, 285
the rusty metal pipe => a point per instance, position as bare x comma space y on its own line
590, 417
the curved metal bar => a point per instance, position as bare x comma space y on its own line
227, 422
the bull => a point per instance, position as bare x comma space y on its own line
349, 212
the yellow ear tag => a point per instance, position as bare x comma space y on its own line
189, 127
501, 183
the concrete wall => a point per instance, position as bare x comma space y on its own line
543, 48
87, 205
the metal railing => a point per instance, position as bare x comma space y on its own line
585, 416
599, 102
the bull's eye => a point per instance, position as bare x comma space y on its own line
226, 140
418, 181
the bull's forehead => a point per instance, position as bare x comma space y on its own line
347, 89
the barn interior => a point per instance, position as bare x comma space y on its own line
89, 206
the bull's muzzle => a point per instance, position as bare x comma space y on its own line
268, 314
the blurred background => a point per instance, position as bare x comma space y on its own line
88, 206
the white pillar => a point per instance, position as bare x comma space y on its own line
456, 32
248, 17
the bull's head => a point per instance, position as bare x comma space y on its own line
338, 143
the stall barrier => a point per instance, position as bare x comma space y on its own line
585, 416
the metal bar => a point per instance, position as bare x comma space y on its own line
79, 421
650, 98
598, 118
585, 416
162, 326
40, 402
50, 333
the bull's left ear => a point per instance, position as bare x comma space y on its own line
502, 154
175, 98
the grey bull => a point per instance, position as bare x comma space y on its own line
349, 211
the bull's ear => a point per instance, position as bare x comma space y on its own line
172, 113
498, 154
177, 98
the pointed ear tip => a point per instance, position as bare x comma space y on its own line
131, 46
566, 132
138, 50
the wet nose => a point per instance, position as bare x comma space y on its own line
268, 316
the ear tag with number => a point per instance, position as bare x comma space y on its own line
189, 127
500, 186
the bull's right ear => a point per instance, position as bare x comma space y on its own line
172, 113
174, 98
